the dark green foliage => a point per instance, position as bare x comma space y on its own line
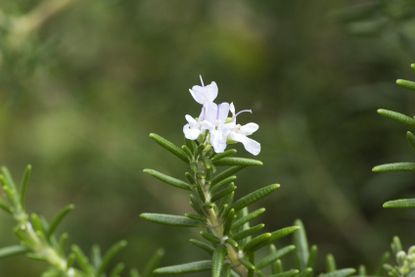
39, 240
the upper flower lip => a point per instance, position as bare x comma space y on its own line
204, 94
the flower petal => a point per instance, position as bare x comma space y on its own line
204, 94
211, 110
222, 112
232, 109
218, 141
249, 144
191, 133
249, 128
190, 119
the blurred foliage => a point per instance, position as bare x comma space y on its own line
80, 91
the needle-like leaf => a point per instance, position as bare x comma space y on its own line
169, 146
269, 259
185, 268
24, 184
254, 196
301, 244
153, 263
168, 219
218, 259
400, 203
58, 219
288, 273
340, 273
111, 253
238, 161
400, 117
12, 250
406, 84
168, 179
402, 166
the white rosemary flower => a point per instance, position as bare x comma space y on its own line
214, 119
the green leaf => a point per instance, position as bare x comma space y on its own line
248, 232
222, 183
224, 154
111, 253
202, 245
169, 146
210, 237
58, 219
188, 152
330, 263
8, 178
403, 166
225, 174
222, 193
257, 242
400, 117
277, 267
247, 264
96, 257
301, 244
38, 224
340, 273
153, 263
269, 259
251, 216
288, 273
406, 84
396, 245
400, 203
24, 184
283, 232
118, 269
410, 137
254, 196
238, 161
175, 220
82, 259
362, 271
307, 272
168, 179
218, 259
313, 256
5, 207
229, 217
134, 273
185, 268
12, 250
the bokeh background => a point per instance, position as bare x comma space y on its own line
82, 83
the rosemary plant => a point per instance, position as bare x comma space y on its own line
39, 239
236, 245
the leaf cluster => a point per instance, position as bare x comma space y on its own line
409, 122
38, 239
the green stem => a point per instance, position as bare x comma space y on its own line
214, 222
40, 246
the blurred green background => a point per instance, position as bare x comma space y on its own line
82, 83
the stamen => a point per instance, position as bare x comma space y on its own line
201, 80
243, 111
